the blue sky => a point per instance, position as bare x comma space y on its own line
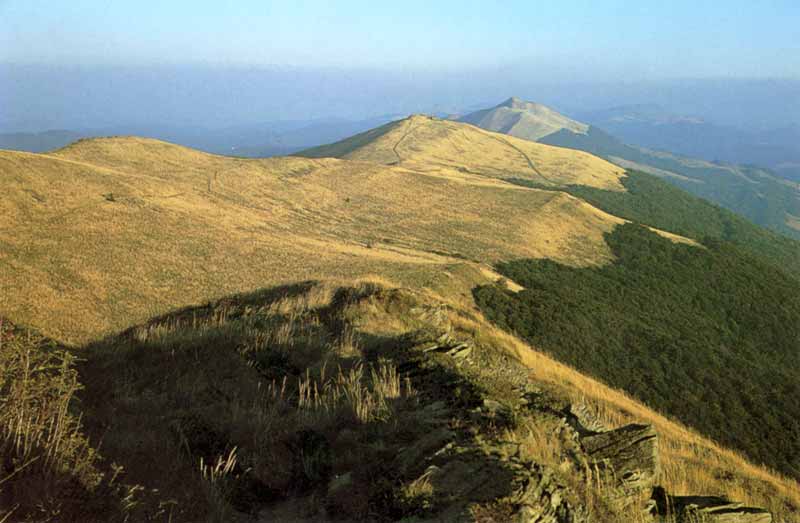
597, 39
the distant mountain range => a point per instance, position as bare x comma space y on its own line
252, 141
756, 193
654, 127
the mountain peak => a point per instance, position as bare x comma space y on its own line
513, 103
428, 143
522, 119
519, 104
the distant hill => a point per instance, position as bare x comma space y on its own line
431, 144
755, 193
523, 119
656, 128
260, 140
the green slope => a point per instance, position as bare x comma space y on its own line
348, 145
749, 191
708, 335
652, 201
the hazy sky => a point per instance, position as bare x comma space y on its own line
588, 39
98, 63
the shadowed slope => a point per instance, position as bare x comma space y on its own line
360, 403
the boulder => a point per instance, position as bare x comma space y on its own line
704, 509
583, 420
628, 455
530, 490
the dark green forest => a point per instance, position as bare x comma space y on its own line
652, 201
709, 335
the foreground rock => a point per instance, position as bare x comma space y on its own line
628, 455
531, 492
704, 509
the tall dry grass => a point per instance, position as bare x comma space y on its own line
360, 394
43, 453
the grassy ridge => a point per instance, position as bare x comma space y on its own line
652, 201
710, 336
427, 144
109, 232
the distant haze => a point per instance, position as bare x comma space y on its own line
93, 63
39, 97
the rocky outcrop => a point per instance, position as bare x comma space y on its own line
451, 347
623, 463
541, 499
583, 419
629, 455
703, 509
530, 491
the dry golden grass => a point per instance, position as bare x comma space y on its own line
432, 145
108, 232
48, 468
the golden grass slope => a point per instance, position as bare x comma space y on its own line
108, 232
432, 145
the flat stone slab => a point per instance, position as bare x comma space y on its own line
705, 509
630, 453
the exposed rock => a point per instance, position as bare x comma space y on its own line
446, 344
530, 488
704, 509
460, 353
584, 420
628, 457
470, 478
543, 500
414, 455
